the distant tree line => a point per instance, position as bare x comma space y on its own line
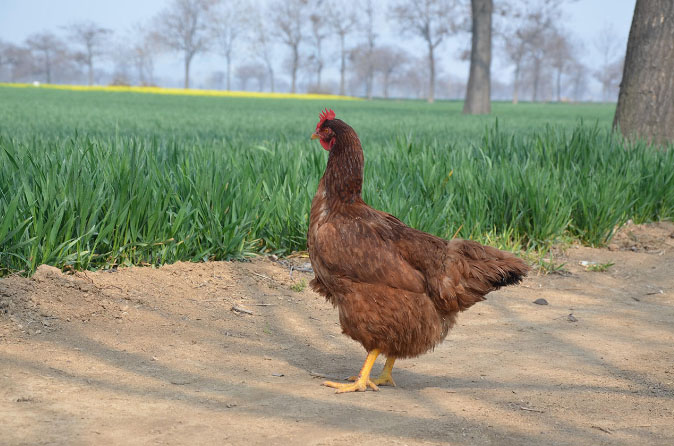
528, 37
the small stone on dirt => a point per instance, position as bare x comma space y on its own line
237, 309
541, 301
571, 318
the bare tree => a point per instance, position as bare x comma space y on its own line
18, 60
388, 61
362, 70
318, 34
4, 58
478, 94
229, 25
262, 45
523, 47
141, 52
560, 53
3, 50
46, 48
289, 17
524, 34
432, 20
413, 81
578, 78
610, 51
516, 50
343, 27
184, 26
538, 58
252, 70
122, 57
370, 39
144, 51
92, 38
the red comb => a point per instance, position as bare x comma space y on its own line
326, 115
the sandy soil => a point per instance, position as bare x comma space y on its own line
158, 356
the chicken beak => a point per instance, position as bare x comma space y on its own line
315, 136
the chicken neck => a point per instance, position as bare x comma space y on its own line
343, 177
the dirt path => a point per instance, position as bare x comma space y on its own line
157, 356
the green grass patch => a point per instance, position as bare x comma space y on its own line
299, 286
95, 179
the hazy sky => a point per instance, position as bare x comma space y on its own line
19, 18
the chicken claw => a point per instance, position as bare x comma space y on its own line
363, 381
360, 385
384, 378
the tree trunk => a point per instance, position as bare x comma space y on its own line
48, 67
559, 85
370, 65
229, 71
318, 76
294, 69
342, 67
370, 80
431, 69
646, 101
479, 81
271, 78
319, 67
188, 59
516, 83
537, 78
90, 64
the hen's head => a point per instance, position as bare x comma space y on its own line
324, 133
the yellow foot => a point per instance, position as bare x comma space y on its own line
360, 385
363, 381
384, 379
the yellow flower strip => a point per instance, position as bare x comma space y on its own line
185, 92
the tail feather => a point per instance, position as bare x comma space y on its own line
475, 271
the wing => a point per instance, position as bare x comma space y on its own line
362, 248
460, 273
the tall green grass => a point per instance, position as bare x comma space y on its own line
99, 179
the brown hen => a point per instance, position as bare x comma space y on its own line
398, 290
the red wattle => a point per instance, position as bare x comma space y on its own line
327, 145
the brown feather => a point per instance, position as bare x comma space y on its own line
397, 289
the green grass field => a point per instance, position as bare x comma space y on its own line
94, 179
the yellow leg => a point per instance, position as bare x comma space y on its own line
385, 378
363, 381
